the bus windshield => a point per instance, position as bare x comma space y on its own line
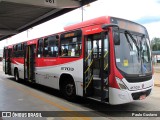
133, 55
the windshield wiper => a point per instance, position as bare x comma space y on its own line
131, 47
134, 41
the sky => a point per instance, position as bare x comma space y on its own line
145, 12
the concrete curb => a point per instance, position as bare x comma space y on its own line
157, 85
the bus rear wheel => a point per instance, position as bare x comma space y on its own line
16, 75
69, 90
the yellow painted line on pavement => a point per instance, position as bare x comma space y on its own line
83, 117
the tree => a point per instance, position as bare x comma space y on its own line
155, 44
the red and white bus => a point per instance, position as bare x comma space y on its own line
107, 59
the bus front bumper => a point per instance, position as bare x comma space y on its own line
118, 96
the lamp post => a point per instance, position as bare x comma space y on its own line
82, 8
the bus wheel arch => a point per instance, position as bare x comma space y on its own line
67, 86
16, 74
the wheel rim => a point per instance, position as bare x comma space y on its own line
69, 89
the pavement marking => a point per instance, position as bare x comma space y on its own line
83, 117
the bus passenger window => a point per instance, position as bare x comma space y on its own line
40, 48
18, 50
64, 51
46, 47
71, 44
51, 47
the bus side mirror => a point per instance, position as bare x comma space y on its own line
116, 35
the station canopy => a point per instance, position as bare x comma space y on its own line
19, 15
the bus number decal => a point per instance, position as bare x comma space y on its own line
67, 68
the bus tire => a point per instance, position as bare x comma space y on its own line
16, 75
69, 90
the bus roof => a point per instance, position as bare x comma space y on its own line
9, 46
122, 23
95, 21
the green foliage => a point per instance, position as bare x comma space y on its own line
155, 44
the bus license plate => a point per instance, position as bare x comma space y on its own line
142, 97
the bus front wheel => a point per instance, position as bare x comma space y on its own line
69, 90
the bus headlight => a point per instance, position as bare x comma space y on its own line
121, 85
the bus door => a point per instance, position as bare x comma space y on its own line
5, 51
7, 60
29, 66
96, 67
